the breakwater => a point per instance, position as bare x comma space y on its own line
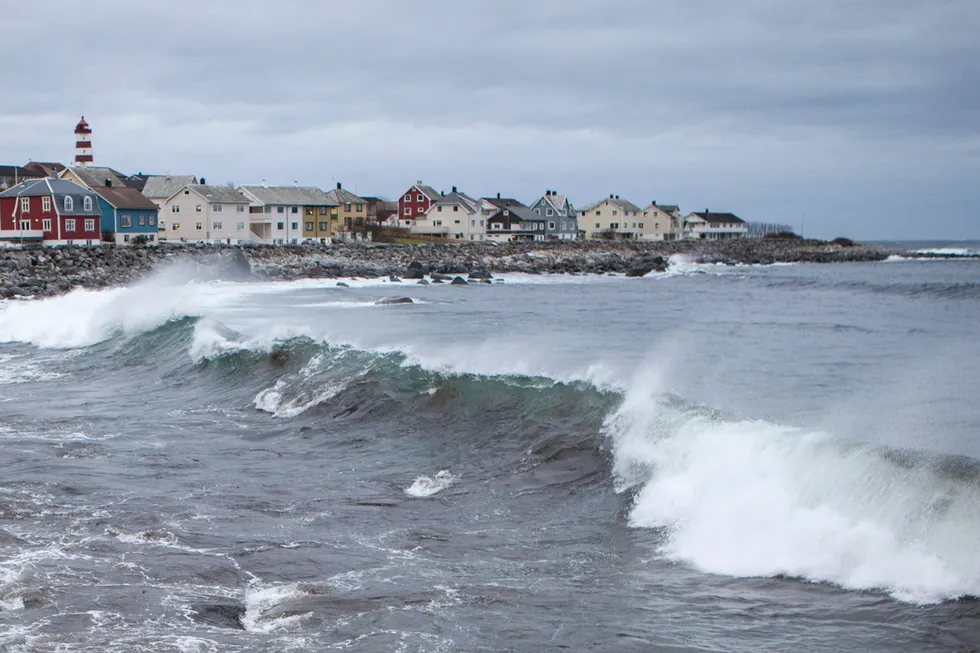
47, 272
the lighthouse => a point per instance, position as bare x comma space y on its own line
83, 143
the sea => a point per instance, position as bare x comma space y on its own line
718, 458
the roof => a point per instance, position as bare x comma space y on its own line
458, 198
94, 176
343, 196
428, 191
719, 217
59, 188
521, 212
501, 202
45, 167
669, 208
125, 198
289, 195
559, 203
625, 205
219, 194
164, 186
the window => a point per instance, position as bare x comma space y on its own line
47, 225
421, 210
323, 210
347, 207
551, 225
198, 209
69, 225
175, 208
323, 226
125, 221
218, 226
89, 222
537, 211
199, 226
151, 220
25, 225
280, 226
45, 204
309, 210
358, 207
550, 212
408, 198
439, 209
25, 204
294, 209
186, 192
294, 226
87, 203
421, 197
175, 226
615, 213
598, 213
597, 225
456, 208
408, 211
240, 226
217, 208
308, 226
126, 238
69, 203
141, 220
457, 221
240, 208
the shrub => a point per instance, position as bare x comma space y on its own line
842, 242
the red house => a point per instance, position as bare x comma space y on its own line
51, 212
413, 204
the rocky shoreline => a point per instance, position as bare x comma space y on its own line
47, 272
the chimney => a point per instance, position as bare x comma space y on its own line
339, 186
498, 196
611, 196
108, 183
654, 202
204, 182
617, 197
454, 189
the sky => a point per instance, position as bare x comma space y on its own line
856, 118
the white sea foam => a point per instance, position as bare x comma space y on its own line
752, 498
260, 600
427, 486
949, 251
272, 400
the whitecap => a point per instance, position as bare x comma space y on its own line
427, 486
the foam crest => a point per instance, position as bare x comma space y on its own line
261, 600
427, 486
752, 498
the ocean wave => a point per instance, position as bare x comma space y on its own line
428, 486
753, 498
948, 251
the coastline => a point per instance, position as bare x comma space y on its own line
48, 272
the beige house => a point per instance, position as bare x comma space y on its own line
93, 177
210, 214
657, 222
454, 216
611, 218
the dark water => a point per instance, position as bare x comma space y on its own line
724, 459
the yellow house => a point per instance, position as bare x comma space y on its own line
350, 212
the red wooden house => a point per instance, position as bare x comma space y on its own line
414, 203
50, 212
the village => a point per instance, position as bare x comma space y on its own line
49, 204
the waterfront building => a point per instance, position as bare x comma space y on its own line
714, 226
127, 217
561, 218
516, 223
610, 218
198, 213
415, 203
454, 216
350, 211
289, 214
49, 212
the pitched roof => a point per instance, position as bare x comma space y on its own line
125, 198
521, 212
719, 217
428, 191
669, 208
49, 169
343, 196
625, 205
220, 194
59, 188
502, 202
290, 195
456, 197
18, 171
164, 186
94, 176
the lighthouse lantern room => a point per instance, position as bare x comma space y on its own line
83, 143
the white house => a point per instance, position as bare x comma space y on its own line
210, 214
714, 226
454, 216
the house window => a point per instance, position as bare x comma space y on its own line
294, 226
69, 204
186, 192
150, 220
199, 226
280, 209
456, 208
323, 226
25, 204
141, 220
421, 210
309, 210
198, 209
240, 208
457, 221
218, 226
347, 207
47, 225
126, 238
597, 225
537, 211
126, 221
323, 210
87, 203
308, 226
551, 225
408, 211
358, 207
45, 204
615, 213
295, 209
550, 212
408, 198
175, 208
240, 226
280, 226
175, 226
421, 197
217, 208
69, 225
598, 213
25, 225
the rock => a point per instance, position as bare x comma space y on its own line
460, 281
435, 276
480, 274
422, 282
341, 284
394, 279
645, 266
391, 301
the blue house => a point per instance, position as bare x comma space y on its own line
128, 217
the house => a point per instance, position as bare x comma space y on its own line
44, 168
415, 203
158, 188
351, 211
127, 217
492, 204
455, 216
562, 218
714, 226
200, 213
10, 176
49, 211
660, 222
289, 214
611, 218
92, 177
516, 222
381, 212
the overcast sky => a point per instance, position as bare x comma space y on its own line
864, 116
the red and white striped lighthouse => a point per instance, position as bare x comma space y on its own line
83, 143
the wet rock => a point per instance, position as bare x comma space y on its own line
221, 615
391, 301
342, 284
460, 281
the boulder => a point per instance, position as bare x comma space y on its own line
341, 284
480, 274
460, 281
391, 301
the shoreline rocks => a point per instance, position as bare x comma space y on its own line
47, 272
